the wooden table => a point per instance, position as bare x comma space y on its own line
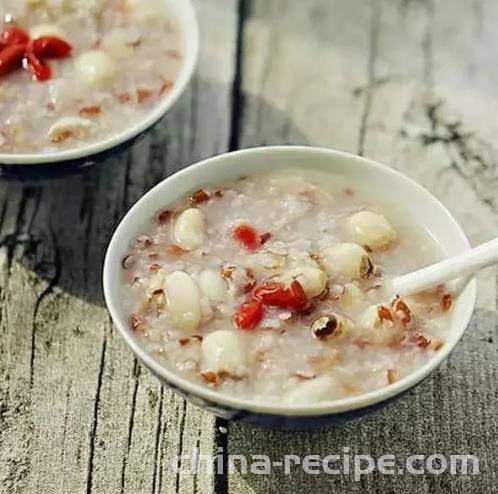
411, 83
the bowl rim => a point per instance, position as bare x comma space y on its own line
190, 39
330, 407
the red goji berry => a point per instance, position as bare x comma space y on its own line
14, 35
278, 295
247, 236
249, 315
51, 47
38, 69
11, 59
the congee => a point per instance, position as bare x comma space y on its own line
271, 288
74, 72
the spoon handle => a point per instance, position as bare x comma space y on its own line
467, 263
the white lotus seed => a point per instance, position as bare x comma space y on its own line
265, 261
69, 127
313, 391
184, 305
117, 46
190, 228
353, 295
348, 260
371, 230
223, 350
207, 312
213, 285
312, 279
96, 67
377, 322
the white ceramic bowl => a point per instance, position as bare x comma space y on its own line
413, 198
54, 163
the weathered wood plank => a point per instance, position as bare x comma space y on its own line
299, 62
418, 125
77, 413
367, 80
18, 299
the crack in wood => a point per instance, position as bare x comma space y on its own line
131, 421
158, 151
196, 448
3, 211
52, 283
237, 106
87, 209
126, 182
371, 78
93, 429
470, 157
180, 447
377, 82
221, 479
157, 471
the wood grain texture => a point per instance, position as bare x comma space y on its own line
411, 83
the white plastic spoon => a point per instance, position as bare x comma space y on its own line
464, 264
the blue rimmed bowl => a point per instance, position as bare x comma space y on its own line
423, 207
35, 166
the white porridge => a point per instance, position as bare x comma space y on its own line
271, 288
74, 72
